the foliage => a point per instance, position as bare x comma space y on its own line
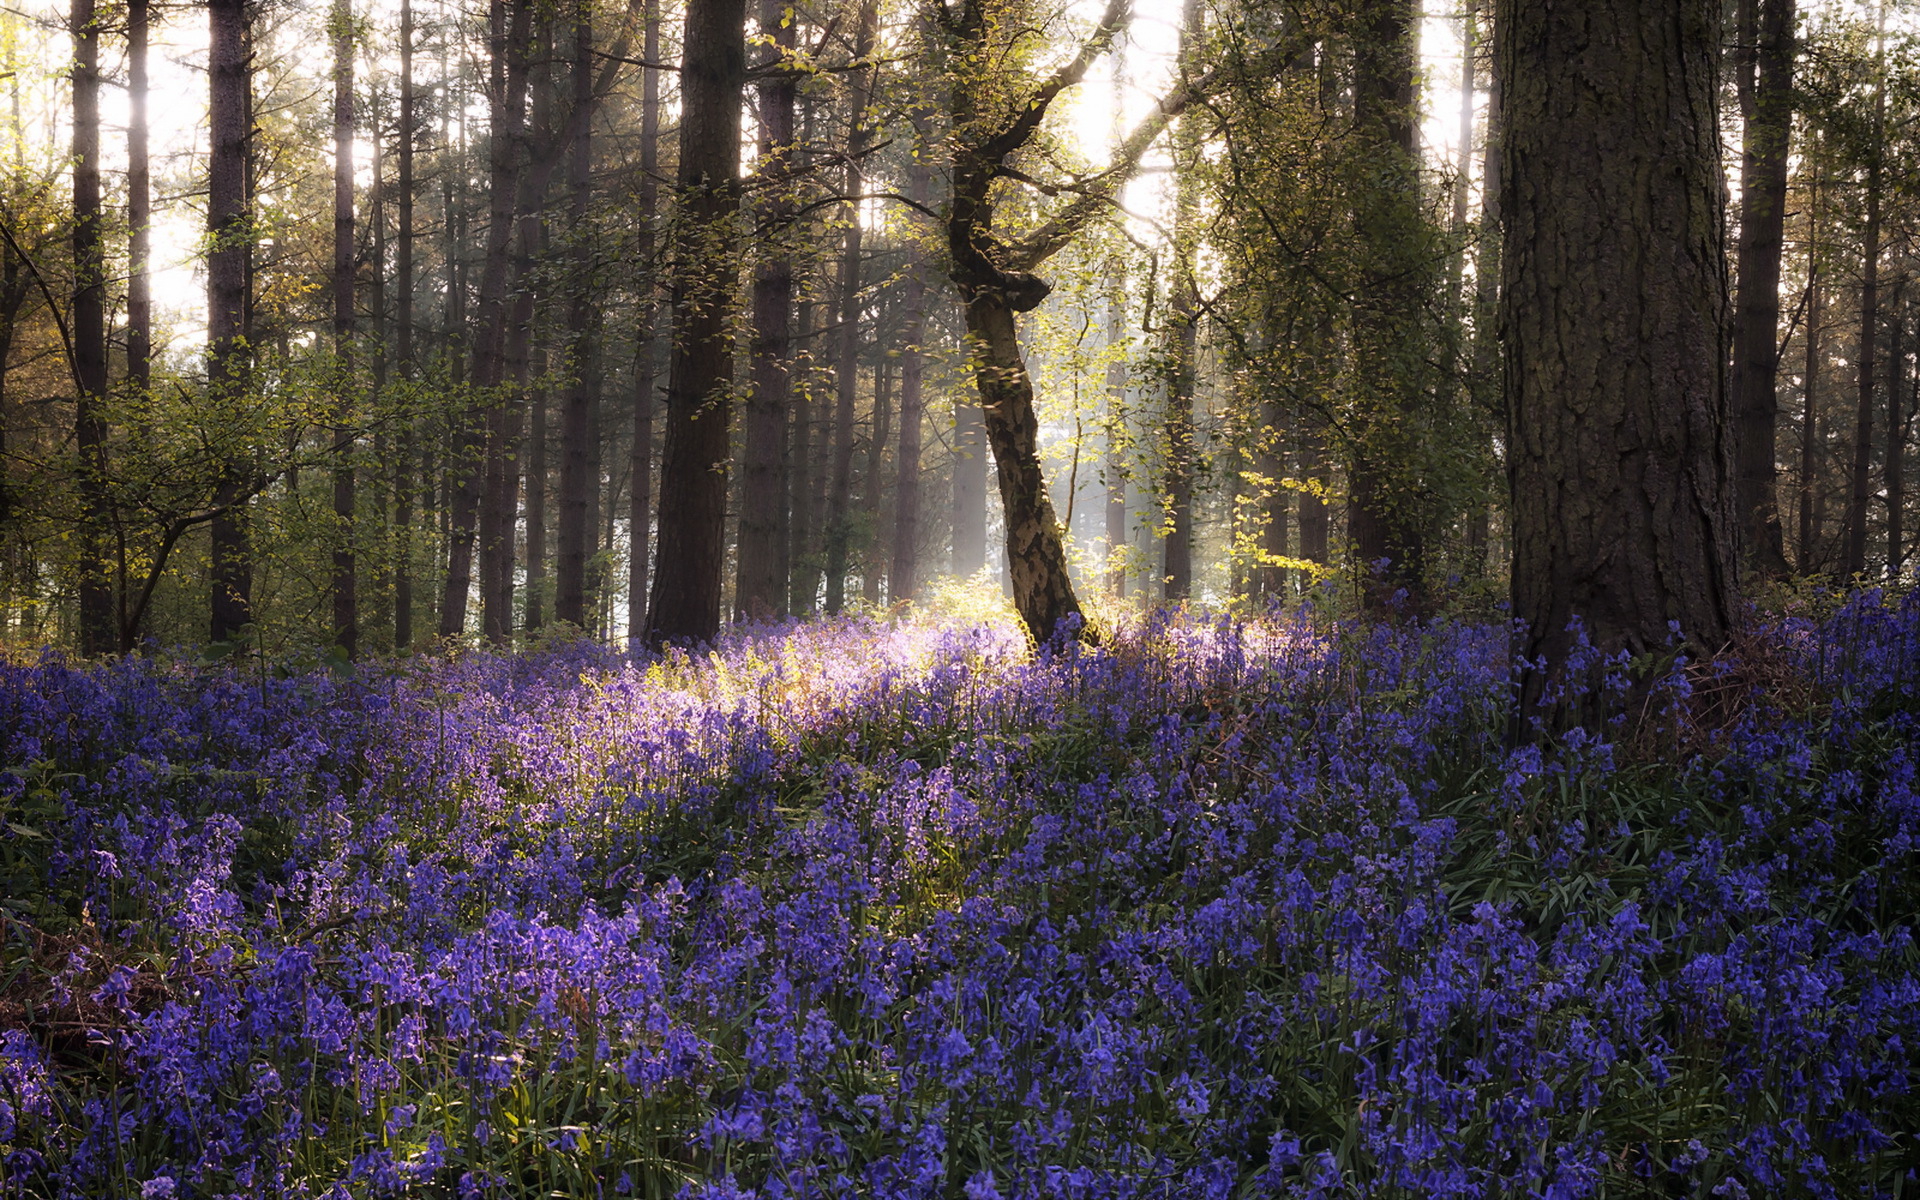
1254, 907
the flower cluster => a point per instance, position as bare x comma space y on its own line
1251, 907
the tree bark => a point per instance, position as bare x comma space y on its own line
229, 270
1767, 104
345, 583
1118, 542
1893, 468
685, 602
139, 209
90, 336
538, 469
1614, 309
760, 588
873, 497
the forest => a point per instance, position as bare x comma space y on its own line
959, 599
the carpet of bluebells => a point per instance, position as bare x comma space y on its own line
1252, 907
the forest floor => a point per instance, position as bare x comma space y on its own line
1249, 907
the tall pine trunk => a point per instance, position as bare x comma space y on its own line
761, 582
1766, 101
1183, 332
570, 574
904, 576
408, 449
346, 619
839, 530
90, 336
685, 603
229, 270
1860, 494
1894, 467
640, 493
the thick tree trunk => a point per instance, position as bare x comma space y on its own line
408, 451
1614, 310
90, 336
345, 584
760, 588
839, 530
1036, 557
685, 603
230, 237
803, 560
570, 575
1270, 579
1767, 103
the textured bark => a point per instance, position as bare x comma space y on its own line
1767, 111
1614, 309
345, 583
685, 602
230, 237
570, 569
760, 588
839, 530
90, 336
538, 470
640, 493
1036, 558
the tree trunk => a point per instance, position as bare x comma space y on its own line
230, 238
408, 451
873, 569
1183, 331
1387, 513
640, 496
139, 209
970, 465
346, 618
90, 336
685, 602
538, 470
1036, 558
1809, 525
1862, 476
1614, 312
904, 578
1896, 438
1767, 104
570, 577
847, 361
1118, 542
761, 582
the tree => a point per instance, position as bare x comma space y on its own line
90, 333
685, 602
1614, 308
1766, 107
230, 237
346, 617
